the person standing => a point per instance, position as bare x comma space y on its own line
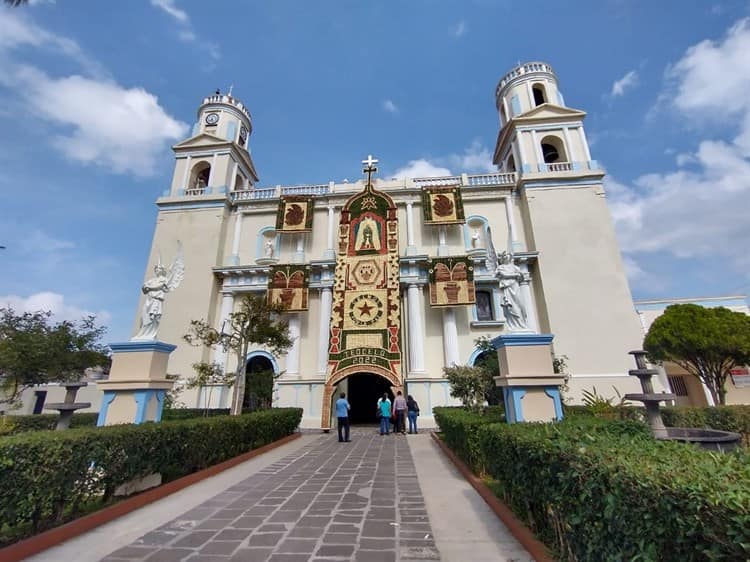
399, 408
342, 413
384, 409
412, 411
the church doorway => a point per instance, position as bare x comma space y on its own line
363, 392
258, 383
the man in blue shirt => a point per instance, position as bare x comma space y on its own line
342, 412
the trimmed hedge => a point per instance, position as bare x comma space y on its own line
52, 476
726, 418
10, 425
598, 490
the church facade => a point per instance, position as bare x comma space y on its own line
386, 282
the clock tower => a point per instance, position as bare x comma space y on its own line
216, 158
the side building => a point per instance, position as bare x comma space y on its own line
388, 281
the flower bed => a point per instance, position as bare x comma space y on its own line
597, 490
49, 477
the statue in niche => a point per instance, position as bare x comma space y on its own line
510, 277
270, 248
475, 238
368, 235
164, 281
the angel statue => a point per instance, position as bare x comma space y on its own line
156, 289
510, 276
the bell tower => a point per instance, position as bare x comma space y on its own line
538, 132
582, 293
216, 158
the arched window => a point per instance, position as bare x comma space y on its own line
510, 165
239, 182
540, 95
199, 176
553, 150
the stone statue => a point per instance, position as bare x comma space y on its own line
510, 277
475, 238
156, 289
270, 248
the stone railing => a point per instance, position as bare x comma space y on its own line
437, 182
556, 167
526, 68
195, 191
492, 179
229, 100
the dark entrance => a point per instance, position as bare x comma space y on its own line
364, 391
258, 384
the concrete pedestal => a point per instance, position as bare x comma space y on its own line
531, 388
137, 384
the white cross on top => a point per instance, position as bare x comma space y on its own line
370, 162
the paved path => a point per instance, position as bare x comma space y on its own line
313, 500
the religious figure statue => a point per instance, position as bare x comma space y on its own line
475, 238
368, 235
156, 289
270, 248
510, 277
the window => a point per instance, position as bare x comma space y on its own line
510, 166
539, 96
485, 312
553, 150
677, 384
200, 175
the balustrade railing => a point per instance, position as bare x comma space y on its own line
558, 167
436, 182
492, 179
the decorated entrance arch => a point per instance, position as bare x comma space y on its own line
365, 318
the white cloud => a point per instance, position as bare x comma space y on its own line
390, 107
17, 31
459, 29
420, 168
101, 122
632, 269
627, 82
186, 33
169, 7
699, 209
54, 303
39, 242
475, 159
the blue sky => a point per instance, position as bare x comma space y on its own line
93, 94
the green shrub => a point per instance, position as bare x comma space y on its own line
460, 431
599, 490
10, 425
50, 476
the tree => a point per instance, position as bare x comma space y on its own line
256, 322
34, 349
707, 342
467, 384
209, 374
488, 362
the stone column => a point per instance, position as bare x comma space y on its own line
292, 356
230, 186
299, 254
227, 306
538, 149
510, 217
330, 252
212, 173
450, 337
572, 155
442, 249
235, 258
585, 144
186, 175
528, 299
521, 153
326, 300
411, 249
416, 334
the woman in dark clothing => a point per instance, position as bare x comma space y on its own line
412, 409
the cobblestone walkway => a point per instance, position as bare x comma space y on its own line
327, 501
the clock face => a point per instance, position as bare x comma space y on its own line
243, 134
212, 118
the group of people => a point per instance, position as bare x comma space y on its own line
398, 412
